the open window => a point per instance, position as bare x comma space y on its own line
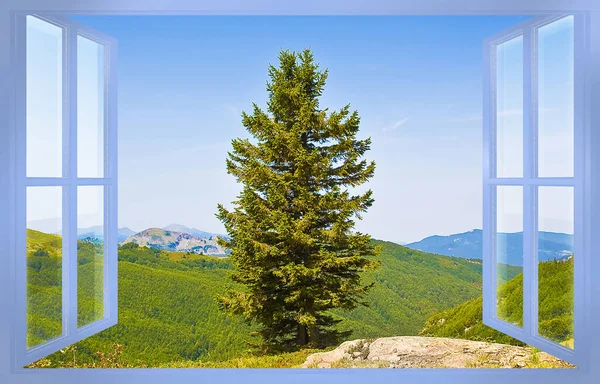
533, 183
66, 179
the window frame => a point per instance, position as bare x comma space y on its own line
591, 10
69, 182
531, 182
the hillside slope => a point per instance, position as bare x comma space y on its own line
409, 287
555, 309
168, 311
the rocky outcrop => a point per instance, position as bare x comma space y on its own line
430, 352
177, 242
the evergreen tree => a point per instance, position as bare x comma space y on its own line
291, 229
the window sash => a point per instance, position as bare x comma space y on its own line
69, 183
530, 183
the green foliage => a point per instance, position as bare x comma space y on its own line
250, 360
90, 282
510, 300
556, 284
168, 313
292, 239
465, 322
556, 307
44, 287
409, 287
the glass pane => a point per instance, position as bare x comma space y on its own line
44, 264
556, 99
555, 268
90, 254
509, 108
90, 108
509, 254
44, 99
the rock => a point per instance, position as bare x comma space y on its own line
428, 352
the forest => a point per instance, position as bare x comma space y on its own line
169, 315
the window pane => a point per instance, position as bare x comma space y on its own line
509, 108
44, 264
90, 254
555, 268
44, 99
556, 99
90, 108
509, 254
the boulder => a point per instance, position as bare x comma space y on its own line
430, 352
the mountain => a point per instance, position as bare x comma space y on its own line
124, 233
192, 231
468, 245
96, 232
177, 242
168, 311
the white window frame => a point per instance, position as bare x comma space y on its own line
530, 182
69, 183
589, 373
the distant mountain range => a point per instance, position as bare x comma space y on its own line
469, 245
97, 232
175, 241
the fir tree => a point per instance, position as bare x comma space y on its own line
291, 229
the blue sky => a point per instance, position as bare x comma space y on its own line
415, 81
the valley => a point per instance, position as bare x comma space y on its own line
168, 313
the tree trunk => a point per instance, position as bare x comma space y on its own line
302, 335
313, 335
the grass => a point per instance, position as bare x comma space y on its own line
284, 360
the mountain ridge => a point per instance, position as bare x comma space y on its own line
174, 241
468, 245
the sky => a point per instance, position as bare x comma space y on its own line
415, 81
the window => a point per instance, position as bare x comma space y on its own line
533, 182
514, 194
67, 180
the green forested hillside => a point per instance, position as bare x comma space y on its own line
44, 281
555, 309
409, 287
168, 311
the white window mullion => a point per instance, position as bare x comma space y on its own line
66, 189
72, 175
529, 264
489, 291
111, 162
